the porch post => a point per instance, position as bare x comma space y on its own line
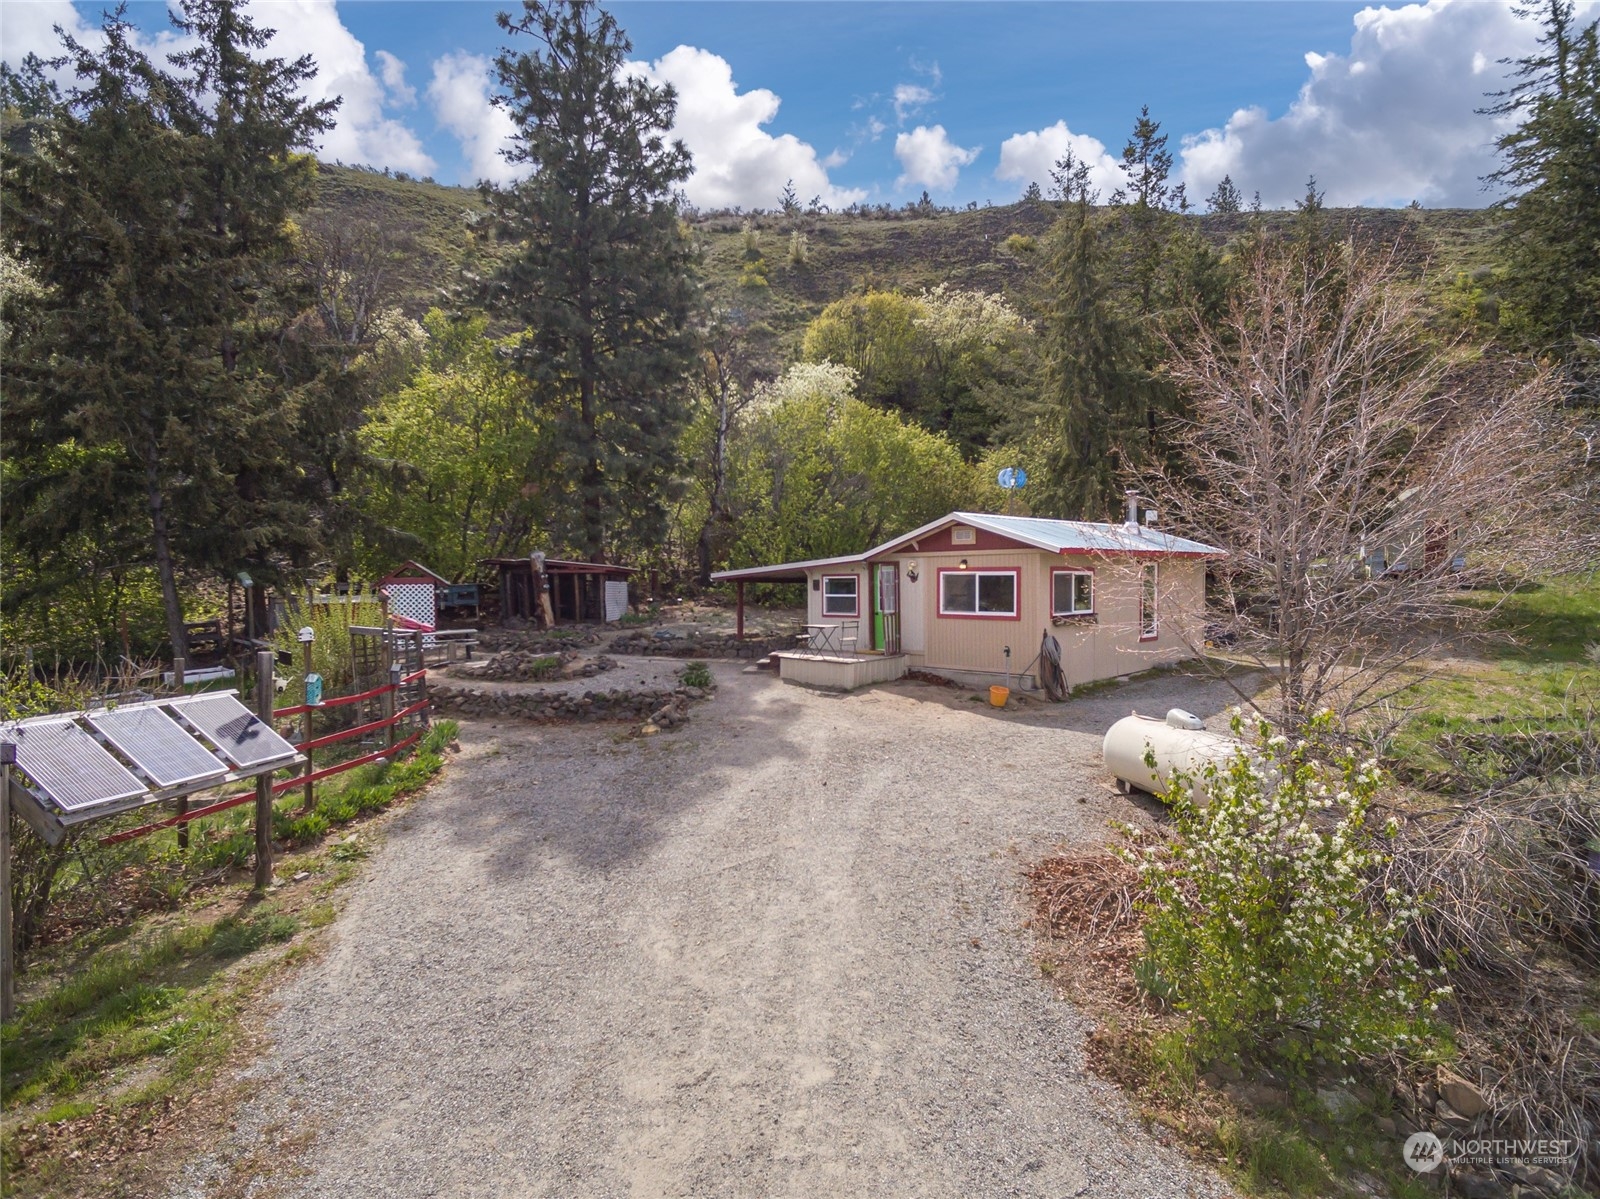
738, 627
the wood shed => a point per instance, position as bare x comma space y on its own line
580, 592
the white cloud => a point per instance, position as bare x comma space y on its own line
1390, 121
737, 163
1028, 158
459, 94
928, 156
909, 99
393, 73
362, 133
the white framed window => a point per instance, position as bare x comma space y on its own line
841, 595
1149, 618
1071, 592
983, 594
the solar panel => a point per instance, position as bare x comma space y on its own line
244, 739
157, 745
73, 769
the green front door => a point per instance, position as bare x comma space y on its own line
886, 607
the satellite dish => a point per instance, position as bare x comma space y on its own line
1013, 477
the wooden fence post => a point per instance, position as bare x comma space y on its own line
265, 660
391, 704
8, 758
305, 730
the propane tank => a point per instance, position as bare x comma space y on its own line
1179, 741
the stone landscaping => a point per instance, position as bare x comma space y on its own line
658, 709
530, 666
689, 642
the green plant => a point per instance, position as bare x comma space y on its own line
1261, 922
696, 674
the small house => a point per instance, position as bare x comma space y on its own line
954, 596
580, 592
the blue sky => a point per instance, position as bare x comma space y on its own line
971, 101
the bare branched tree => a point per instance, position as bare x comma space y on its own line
1358, 480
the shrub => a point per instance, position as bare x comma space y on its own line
1263, 924
696, 674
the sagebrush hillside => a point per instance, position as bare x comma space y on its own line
436, 230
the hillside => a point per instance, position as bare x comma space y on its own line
432, 225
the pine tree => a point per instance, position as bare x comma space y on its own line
789, 201
154, 212
1146, 163
1226, 198
1091, 394
602, 279
1551, 162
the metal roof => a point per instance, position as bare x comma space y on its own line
787, 571
1073, 536
1053, 536
564, 566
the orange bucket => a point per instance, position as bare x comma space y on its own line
998, 695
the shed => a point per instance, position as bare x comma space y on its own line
955, 594
580, 592
414, 593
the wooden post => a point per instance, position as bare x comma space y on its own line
305, 731
8, 1002
183, 801
390, 705
264, 671
738, 619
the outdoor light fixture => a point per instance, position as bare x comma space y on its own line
307, 635
911, 571
963, 564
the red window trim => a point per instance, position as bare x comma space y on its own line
1155, 601
1016, 593
855, 611
1094, 592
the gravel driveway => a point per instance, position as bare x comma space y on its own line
777, 954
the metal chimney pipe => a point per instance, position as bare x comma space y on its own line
1133, 506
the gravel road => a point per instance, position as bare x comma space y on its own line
779, 953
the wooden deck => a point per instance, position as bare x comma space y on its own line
840, 672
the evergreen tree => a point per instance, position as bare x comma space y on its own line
1032, 194
1092, 395
602, 275
1551, 162
1226, 198
789, 201
154, 211
1146, 163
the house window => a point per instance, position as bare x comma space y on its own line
1149, 621
964, 535
982, 593
1071, 592
840, 595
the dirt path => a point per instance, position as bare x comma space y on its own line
778, 954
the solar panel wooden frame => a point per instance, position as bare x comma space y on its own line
86, 781
74, 770
158, 746
241, 736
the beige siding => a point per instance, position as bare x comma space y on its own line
814, 597
1104, 647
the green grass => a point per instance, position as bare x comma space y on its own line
138, 1013
1537, 675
